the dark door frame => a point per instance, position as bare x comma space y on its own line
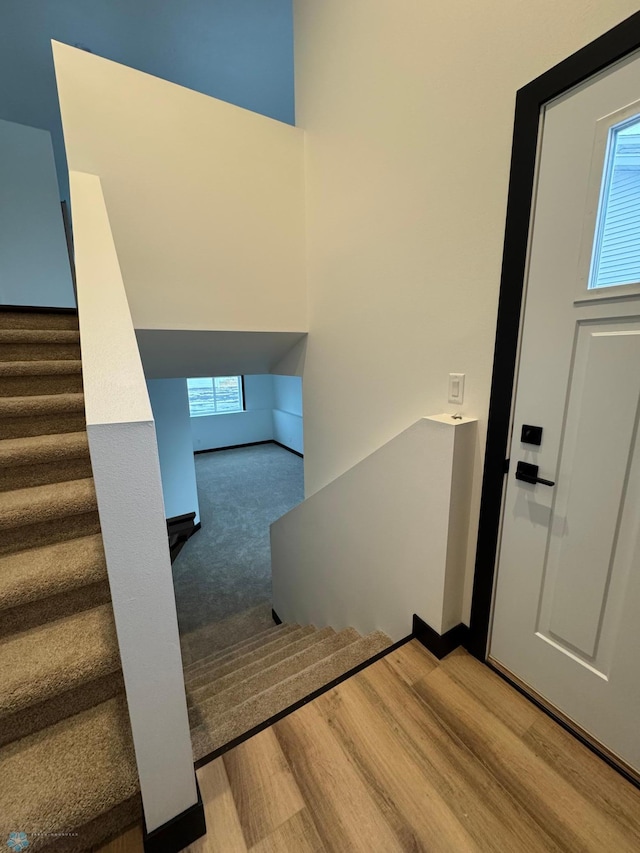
604, 51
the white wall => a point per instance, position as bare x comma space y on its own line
170, 405
382, 541
34, 263
126, 471
254, 424
408, 113
287, 412
205, 199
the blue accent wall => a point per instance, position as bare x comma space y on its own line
238, 50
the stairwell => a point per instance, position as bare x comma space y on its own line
68, 776
237, 688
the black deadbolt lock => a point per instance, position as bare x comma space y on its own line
531, 434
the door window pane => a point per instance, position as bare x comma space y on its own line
616, 249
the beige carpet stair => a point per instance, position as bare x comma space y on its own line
236, 689
37, 460
66, 756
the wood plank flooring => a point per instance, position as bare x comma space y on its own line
415, 754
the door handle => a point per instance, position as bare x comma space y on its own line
528, 473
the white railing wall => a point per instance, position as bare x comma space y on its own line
124, 456
385, 540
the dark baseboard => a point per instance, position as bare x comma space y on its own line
299, 704
290, 449
249, 444
275, 617
37, 309
179, 832
234, 446
180, 528
439, 645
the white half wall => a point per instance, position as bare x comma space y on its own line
126, 471
205, 199
287, 412
408, 114
170, 405
34, 262
254, 424
385, 540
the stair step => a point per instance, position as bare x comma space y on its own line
41, 415
39, 344
49, 660
76, 776
57, 530
39, 575
46, 503
38, 320
238, 649
40, 404
39, 460
252, 664
39, 336
216, 669
209, 701
216, 731
18, 378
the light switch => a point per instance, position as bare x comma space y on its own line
456, 387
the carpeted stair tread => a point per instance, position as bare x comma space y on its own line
40, 368
213, 701
38, 573
66, 775
40, 404
38, 320
44, 503
231, 653
212, 632
216, 731
39, 336
46, 661
35, 450
255, 663
260, 657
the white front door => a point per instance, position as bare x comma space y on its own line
566, 618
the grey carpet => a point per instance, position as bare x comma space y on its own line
225, 568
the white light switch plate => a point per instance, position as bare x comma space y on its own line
456, 387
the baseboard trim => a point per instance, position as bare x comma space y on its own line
290, 449
275, 617
179, 832
177, 520
300, 703
250, 444
439, 645
38, 309
233, 446
183, 527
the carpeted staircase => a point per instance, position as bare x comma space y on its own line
237, 688
66, 756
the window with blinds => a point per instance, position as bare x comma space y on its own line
616, 251
215, 395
